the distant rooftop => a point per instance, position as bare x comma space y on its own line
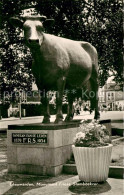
110, 80
112, 86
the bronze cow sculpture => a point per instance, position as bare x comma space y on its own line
59, 63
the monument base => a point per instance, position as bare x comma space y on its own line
40, 149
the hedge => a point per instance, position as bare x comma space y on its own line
4, 109
37, 109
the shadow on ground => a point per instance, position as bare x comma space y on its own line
89, 188
22, 183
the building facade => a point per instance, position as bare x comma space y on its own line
111, 97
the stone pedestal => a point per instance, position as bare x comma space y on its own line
39, 148
107, 123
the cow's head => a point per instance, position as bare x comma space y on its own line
33, 28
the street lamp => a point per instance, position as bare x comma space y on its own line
20, 102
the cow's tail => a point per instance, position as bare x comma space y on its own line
94, 79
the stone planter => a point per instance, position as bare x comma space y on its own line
92, 163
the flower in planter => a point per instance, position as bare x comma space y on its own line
92, 134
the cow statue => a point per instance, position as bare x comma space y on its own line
59, 64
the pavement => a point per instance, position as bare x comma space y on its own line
72, 185
113, 115
4, 187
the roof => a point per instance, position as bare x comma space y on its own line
112, 87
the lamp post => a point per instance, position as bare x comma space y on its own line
20, 102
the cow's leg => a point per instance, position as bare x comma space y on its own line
97, 114
45, 103
70, 112
94, 99
59, 99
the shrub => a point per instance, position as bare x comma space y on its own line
92, 134
36, 109
4, 109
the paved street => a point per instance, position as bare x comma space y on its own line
113, 115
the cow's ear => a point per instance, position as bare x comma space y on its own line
16, 22
48, 23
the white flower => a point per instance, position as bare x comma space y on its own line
74, 140
103, 127
98, 125
83, 135
91, 125
80, 135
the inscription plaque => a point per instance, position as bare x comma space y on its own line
29, 138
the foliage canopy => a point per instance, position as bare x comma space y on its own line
98, 22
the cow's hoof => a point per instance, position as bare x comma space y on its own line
97, 117
58, 121
68, 118
46, 120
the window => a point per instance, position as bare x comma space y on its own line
108, 96
112, 96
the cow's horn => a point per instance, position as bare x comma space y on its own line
43, 17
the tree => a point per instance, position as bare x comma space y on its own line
15, 57
107, 36
98, 22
